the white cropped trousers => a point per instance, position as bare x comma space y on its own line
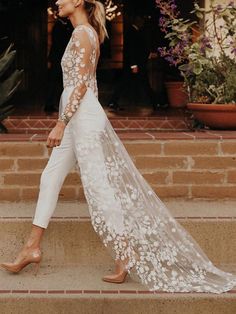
89, 117
61, 162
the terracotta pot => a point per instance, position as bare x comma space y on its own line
216, 116
176, 94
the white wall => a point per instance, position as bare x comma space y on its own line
207, 5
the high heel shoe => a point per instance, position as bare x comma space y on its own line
116, 278
119, 276
34, 256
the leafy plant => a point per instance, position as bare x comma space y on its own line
8, 84
204, 49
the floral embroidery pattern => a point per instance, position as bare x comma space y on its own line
78, 65
125, 212
133, 222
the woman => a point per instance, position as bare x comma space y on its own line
135, 226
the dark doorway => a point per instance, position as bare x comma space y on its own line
24, 23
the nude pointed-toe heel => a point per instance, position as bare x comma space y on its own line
34, 256
116, 278
119, 276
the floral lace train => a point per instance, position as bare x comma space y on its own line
130, 218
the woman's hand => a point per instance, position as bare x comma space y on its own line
56, 135
134, 69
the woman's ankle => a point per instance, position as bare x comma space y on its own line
32, 246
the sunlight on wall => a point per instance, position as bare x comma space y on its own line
218, 25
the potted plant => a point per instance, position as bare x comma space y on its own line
206, 59
177, 96
9, 83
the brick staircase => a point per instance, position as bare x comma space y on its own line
193, 172
184, 165
41, 124
74, 261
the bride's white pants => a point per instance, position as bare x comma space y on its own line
60, 163
89, 119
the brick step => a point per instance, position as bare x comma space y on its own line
71, 239
74, 261
195, 165
79, 289
43, 124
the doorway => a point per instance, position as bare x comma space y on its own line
23, 23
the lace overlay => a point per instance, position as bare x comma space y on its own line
79, 67
125, 211
130, 218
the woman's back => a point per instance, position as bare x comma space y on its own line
80, 58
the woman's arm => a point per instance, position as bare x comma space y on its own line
78, 68
77, 65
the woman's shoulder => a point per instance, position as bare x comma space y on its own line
85, 35
79, 29
82, 28
85, 29
80, 35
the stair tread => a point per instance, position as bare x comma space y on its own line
69, 277
83, 279
179, 209
76, 277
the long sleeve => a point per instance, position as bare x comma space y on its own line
77, 65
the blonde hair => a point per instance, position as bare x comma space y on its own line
97, 17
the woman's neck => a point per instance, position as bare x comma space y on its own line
78, 18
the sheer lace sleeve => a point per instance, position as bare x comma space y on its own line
78, 59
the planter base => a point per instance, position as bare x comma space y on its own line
216, 116
176, 95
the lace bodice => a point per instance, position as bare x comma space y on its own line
79, 64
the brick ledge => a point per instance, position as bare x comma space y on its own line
53, 291
88, 218
134, 135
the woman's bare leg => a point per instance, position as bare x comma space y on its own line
32, 243
35, 237
61, 161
